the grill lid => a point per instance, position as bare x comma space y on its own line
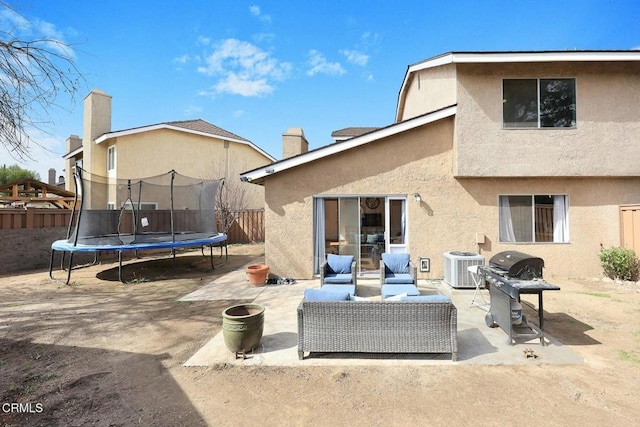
517, 265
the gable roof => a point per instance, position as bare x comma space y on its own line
257, 176
511, 57
197, 127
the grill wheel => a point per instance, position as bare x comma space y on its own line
488, 319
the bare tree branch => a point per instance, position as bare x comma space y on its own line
232, 201
233, 196
33, 73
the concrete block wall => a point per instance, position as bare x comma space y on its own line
27, 248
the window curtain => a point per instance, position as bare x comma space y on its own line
560, 220
318, 234
404, 221
506, 223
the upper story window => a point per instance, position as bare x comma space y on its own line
111, 158
538, 103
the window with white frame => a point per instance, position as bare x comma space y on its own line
539, 103
111, 158
534, 218
142, 206
148, 206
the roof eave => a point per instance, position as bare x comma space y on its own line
257, 176
73, 153
110, 135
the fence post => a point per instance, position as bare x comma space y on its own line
30, 219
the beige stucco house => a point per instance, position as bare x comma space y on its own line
194, 148
492, 151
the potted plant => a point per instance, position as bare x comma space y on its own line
257, 274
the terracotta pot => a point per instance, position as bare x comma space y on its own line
257, 274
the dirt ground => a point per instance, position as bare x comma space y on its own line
102, 353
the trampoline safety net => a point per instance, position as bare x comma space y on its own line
164, 208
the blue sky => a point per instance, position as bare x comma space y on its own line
257, 68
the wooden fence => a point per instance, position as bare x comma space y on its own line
248, 228
630, 227
12, 219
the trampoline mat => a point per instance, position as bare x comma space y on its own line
114, 242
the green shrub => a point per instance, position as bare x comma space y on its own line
619, 263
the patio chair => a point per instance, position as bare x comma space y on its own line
398, 275
338, 273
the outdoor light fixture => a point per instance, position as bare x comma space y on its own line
417, 197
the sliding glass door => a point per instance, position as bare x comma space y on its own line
372, 233
361, 226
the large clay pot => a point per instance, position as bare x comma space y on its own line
242, 327
257, 274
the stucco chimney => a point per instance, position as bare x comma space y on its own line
97, 121
73, 143
294, 143
97, 114
52, 177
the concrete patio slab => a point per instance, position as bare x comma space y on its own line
231, 286
477, 343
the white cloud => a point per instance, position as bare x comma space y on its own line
264, 37
181, 59
255, 11
319, 65
192, 111
243, 69
355, 57
23, 28
238, 113
243, 84
205, 41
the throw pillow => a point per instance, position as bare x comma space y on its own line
396, 297
339, 264
323, 295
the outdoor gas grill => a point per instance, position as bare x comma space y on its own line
510, 274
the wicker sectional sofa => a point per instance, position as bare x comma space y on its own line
377, 327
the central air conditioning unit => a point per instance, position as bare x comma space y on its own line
456, 268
